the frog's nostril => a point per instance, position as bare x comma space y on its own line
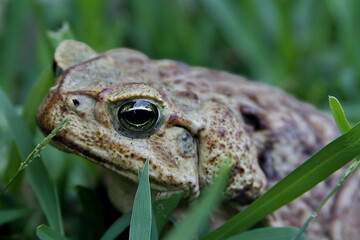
76, 102
80, 104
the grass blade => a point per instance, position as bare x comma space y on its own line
43, 185
46, 233
163, 209
35, 153
117, 227
9, 215
339, 115
316, 169
140, 225
268, 233
344, 126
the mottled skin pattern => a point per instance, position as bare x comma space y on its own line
206, 116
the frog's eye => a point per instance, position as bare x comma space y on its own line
138, 118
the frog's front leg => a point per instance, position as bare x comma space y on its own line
222, 135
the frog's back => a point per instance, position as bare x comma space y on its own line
285, 131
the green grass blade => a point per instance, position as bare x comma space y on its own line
163, 209
199, 213
316, 169
140, 225
117, 227
46, 233
8, 215
43, 185
268, 233
35, 153
154, 233
339, 115
344, 126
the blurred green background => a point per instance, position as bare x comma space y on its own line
309, 48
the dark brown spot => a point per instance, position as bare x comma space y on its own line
238, 170
252, 96
212, 160
224, 90
187, 94
178, 81
163, 74
308, 149
266, 161
190, 85
253, 118
134, 60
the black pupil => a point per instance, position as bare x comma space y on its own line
138, 116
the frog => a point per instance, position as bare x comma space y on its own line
125, 109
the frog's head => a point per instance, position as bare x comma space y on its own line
120, 116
